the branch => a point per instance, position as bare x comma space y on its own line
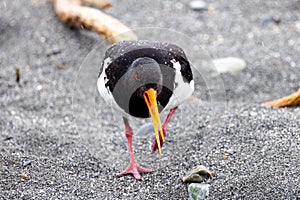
72, 13
287, 101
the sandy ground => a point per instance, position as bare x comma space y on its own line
55, 118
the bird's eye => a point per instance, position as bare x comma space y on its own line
136, 77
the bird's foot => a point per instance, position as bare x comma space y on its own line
155, 145
134, 169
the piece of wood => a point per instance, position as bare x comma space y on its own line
17, 74
97, 3
287, 101
72, 13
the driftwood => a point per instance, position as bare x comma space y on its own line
96, 3
74, 14
287, 101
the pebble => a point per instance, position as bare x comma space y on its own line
229, 64
268, 19
230, 151
297, 25
253, 114
198, 5
225, 155
28, 162
198, 191
7, 138
231, 125
39, 87
24, 176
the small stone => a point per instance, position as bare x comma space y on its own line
43, 39
28, 162
229, 64
297, 25
7, 138
193, 178
198, 191
231, 125
39, 87
270, 19
198, 5
209, 126
230, 151
225, 155
253, 114
24, 176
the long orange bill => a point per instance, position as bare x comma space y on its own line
150, 99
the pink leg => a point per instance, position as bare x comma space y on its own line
164, 129
133, 168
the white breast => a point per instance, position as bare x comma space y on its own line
102, 80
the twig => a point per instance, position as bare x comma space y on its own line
53, 52
72, 13
287, 101
17, 74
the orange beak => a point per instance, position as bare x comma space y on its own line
150, 99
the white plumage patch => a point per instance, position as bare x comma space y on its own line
102, 80
104, 91
182, 89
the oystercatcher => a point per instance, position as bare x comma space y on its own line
141, 79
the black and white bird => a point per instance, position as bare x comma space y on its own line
142, 79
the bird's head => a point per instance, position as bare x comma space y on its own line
144, 73
146, 77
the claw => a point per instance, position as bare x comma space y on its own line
134, 169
